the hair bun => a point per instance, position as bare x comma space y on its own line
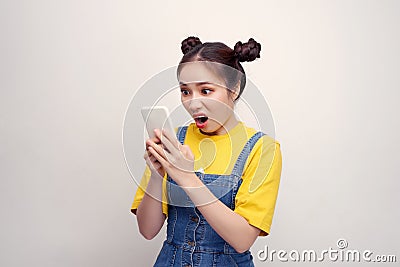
248, 51
189, 43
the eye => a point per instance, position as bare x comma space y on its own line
184, 92
206, 91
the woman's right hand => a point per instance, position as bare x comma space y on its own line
151, 161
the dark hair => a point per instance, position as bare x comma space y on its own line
194, 50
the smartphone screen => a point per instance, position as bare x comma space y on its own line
157, 117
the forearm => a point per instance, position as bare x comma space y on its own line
149, 213
232, 227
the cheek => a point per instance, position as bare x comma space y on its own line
222, 103
185, 104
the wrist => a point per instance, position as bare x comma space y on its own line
198, 191
190, 180
156, 176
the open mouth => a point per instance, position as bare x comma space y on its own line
201, 121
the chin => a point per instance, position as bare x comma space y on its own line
210, 130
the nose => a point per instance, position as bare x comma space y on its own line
195, 104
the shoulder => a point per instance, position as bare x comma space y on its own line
264, 141
188, 129
266, 149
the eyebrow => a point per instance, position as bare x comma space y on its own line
198, 83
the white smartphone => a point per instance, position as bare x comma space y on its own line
157, 117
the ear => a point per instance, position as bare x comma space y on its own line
235, 91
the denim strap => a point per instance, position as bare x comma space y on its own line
181, 134
244, 154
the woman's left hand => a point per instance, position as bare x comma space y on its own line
177, 159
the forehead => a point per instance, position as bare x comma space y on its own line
200, 72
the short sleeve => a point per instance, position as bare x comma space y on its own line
141, 191
257, 195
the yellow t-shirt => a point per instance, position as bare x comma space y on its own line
217, 154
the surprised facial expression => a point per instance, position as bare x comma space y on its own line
205, 96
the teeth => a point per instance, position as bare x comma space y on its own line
202, 118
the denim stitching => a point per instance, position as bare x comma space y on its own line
173, 256
244, 154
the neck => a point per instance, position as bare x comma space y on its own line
223, 129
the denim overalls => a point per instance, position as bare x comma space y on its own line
191, 241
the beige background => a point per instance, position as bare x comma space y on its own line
68, 70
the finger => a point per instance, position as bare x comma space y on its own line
152, 161
156, 165
160, 159
147, 156
157, 148
152, 158
168, 140
155, 139
187, 152
170, 135
161, 135
169, 146
148, 161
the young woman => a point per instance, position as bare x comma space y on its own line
217, 181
